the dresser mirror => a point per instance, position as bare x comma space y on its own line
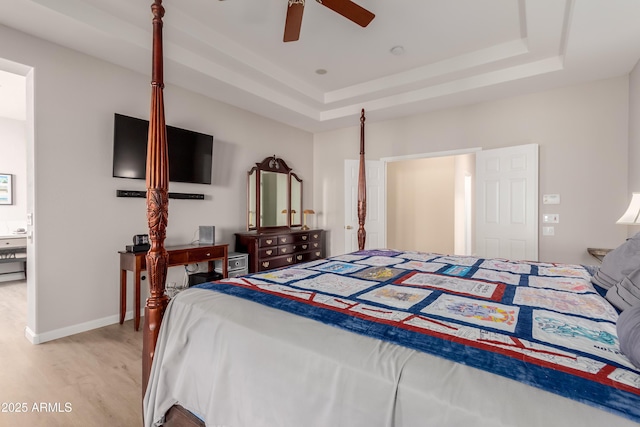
274, 196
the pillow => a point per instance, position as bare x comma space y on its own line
618, 263
625, 293
628, 327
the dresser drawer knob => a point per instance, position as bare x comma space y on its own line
304, 246
290, 259
304, 237
269, 241
299, 257
317, 253
283, 240
269, 252
315, 245
265, 264
284, 250
208, 254
315, 236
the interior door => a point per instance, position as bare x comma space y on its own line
375, 221
507, 203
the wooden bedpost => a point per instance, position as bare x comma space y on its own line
362, 189
157, 202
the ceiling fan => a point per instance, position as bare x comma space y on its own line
346, 8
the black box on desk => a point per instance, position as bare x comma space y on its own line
209, 276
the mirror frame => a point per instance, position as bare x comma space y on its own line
270, 164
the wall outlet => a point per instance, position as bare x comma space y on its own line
548, 231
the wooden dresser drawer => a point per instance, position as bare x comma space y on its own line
268, 241
315, 235
286, 249
301, 247
301, 237
285, 240
268, 252
276, 262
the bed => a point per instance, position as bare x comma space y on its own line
377, 337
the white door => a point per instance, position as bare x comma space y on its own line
507, 203
375, 218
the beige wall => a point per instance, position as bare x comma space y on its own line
414, 220
582, 132
80, 224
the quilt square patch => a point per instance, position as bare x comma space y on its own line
285, 276
457, 260
564, 270
497, 276
421, 266
381, 274
454, 285
569, 284
486, 314
338, 267
457, 270
577, 333
589, 305
396, 296
335, 284
380, 260
501, 265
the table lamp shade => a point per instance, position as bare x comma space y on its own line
632, 214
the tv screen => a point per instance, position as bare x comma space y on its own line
190, 153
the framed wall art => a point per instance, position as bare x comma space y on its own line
6, 189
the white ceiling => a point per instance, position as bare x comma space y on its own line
456, 51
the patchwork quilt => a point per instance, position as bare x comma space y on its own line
539, 323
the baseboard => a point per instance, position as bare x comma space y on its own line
74, 329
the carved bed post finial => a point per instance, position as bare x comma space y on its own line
157, 201
362, 189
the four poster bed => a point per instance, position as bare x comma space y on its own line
377, 337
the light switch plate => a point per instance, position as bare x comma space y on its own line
551, 218
548, 231
550, 199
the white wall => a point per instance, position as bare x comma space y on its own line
13, 160
634, 138
583, 136
80, 225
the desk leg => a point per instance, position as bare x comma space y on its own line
136, 309
123, 295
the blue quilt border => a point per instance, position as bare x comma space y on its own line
616, 401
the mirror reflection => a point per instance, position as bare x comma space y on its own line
274, 196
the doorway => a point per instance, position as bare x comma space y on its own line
17, 128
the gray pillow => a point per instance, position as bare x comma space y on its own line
628, 328
619, 263
625, 293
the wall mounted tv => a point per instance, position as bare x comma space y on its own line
190, 153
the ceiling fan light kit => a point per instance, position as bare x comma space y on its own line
346, 8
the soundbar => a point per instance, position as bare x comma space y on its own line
143, 194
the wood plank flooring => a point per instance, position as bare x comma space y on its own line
88, 379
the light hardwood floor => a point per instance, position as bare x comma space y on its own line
89, 379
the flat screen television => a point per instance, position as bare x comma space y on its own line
190, 153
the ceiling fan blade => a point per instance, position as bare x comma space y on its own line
349, 10
293, 22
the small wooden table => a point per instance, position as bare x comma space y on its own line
178, 255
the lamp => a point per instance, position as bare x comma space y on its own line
293, 213
307, 212
632, 214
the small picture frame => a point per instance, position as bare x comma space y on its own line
6, 189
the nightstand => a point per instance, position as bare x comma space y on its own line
598, 253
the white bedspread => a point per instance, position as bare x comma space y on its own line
235, 363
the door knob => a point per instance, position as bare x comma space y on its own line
348, 227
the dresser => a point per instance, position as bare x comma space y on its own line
274, 249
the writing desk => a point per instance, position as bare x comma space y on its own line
178, 255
